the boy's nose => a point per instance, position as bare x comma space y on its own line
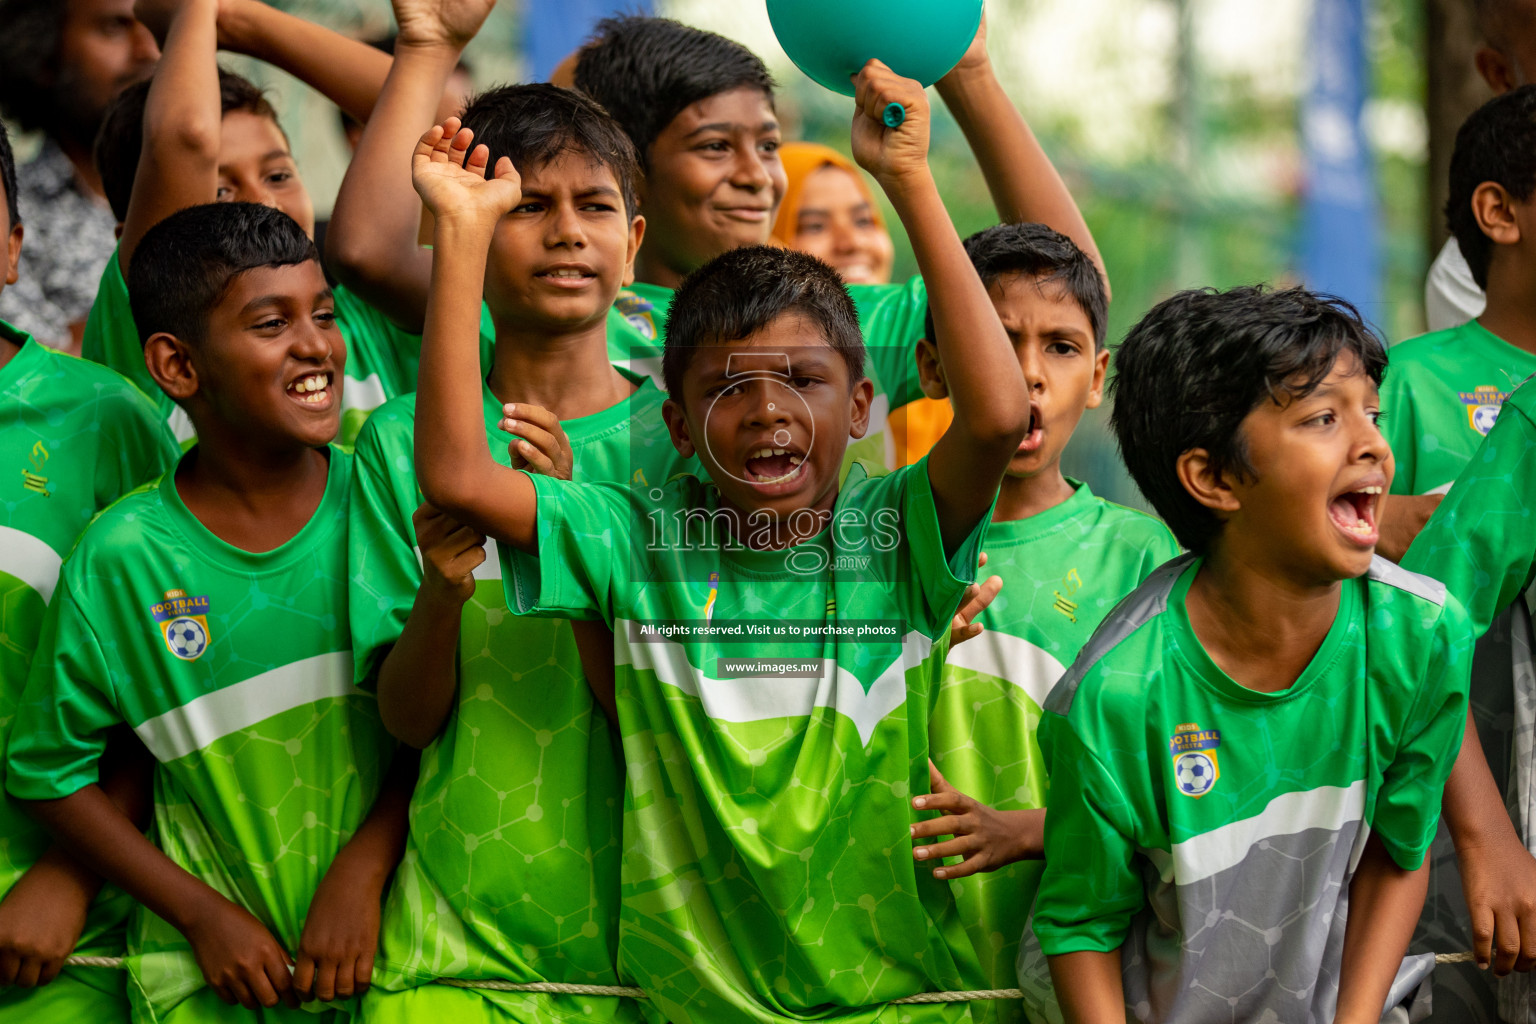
750, 172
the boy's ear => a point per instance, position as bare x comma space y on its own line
169, 361
1100, 369
1494, 209
930, 372
863, 395
1203, 483
1497, 70
636, 236
13, 254
677, 427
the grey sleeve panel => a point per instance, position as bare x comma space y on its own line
1394, 575
1135, 610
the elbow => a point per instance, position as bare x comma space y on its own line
350, 254
184, 139
448, 490
412, 733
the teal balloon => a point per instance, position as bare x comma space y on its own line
830, 40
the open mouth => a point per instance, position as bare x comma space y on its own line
774, 466
567, 276
311, 389
1354, 513
1034, 437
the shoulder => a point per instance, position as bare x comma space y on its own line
1523, 398
1387, 580
102, 384
1413, 609
870, 297
1134, 526
114, 532
390, 425
1420, 354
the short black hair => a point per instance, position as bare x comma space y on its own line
740, 292
1198, 363
8, 177
185, 264
1496, 143
121, 139
534, 124
29, 57
1046, 255
646, 71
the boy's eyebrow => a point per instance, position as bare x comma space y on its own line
281, 299
729, 126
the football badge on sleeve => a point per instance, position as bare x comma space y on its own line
1195, 764
183, 621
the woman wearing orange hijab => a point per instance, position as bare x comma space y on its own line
829, 211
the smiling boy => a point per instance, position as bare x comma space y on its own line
761, 813
275, 824
1267, 723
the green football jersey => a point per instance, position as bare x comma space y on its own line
381, 358
1062, 570
73, 438
891, 318
235, 670
511, 870
1441, 396
1210, 832
767, 871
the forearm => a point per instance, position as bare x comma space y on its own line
1473, 810
348, 72
1384, 904
1088, 987
418, 680
376, 846
372, 238
1024, 184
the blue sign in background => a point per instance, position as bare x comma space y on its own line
553, 28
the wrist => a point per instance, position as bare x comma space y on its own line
907, 185
360, 868
966, 75
434, 50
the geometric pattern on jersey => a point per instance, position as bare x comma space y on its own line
1481, 543
511, 868
235, 670
73, 437
767, 865
1062, 571
381, 358
1441, 396
891, 320
1218, 859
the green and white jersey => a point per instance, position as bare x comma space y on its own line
235, 670
891, 318
511, 870
73, 438
1210, 831
1441, 396
767, 872
381, 358
1062, 570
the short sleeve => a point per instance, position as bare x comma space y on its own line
942, 580
586, 533
1407, 809
1091, 887
1481, 541
892, 318
140, 448
383, 567
67, 708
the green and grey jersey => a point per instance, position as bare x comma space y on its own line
74, 437
1441, 396
773, 708
235, 670
1210, 832
511, 869
1062, 571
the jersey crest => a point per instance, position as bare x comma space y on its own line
638, 312
1195, 764
183, 622
1483, 405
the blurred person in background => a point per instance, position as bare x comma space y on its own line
61, 63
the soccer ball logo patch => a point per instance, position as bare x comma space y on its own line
183, 621
186, 638
1195, 773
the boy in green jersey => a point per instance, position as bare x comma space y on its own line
208, 613
511, 870
1063, 558
1247, 758
765, 803
74, 437
196, 134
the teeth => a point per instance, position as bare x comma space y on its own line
567, 272
795, 460
309, 389
1369, 490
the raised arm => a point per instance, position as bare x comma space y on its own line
986, 385
372, 239
453, 458
1023, 181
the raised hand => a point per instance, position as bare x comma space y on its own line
450, 23
986, 837
450, 554
544, 448
892, 155
451, 177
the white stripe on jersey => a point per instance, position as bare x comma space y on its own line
197, 724
30, 560
1012, 659
748, 699
367, 394
1210, 853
